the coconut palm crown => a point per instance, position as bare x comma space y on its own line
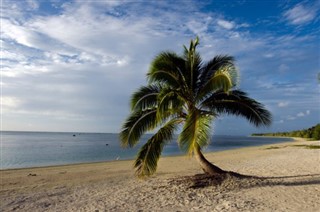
185, 93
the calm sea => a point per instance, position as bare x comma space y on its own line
35, 149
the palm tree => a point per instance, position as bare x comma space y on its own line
182, 91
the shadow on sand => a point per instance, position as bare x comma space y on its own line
235, 181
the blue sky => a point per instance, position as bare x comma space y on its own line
72, 65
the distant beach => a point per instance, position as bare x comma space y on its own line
289, 181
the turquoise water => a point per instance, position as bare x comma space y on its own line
35, 149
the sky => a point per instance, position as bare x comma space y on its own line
72, 65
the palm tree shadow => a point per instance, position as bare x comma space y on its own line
234, 181
297, 180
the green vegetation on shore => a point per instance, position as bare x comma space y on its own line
311, 133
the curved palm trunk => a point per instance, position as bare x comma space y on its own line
206, 166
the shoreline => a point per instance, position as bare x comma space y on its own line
178, 155
289, 181
294, 138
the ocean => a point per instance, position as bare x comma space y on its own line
37, 149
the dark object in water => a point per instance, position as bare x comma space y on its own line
107, 144
74, 135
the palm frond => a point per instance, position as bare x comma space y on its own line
136, 125
167, 68
197, 63
196, 131
218, 63
193, 64
145, 97
149, 154
238, 103
169, 102
192, 47
221, 80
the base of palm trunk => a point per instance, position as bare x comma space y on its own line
211, 169
206, 166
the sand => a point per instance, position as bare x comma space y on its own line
289, 180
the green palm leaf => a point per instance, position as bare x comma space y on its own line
238, 103
196, 131
145, 97
221, 80
217, 63
169, 102
193, 64
149, 154
167, 68
136, 125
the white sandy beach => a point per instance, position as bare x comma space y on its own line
291, 183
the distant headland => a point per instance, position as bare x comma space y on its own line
312, 133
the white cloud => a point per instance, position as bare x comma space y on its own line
16, 32
9, 102
226, 24
298, 115
7, 55
301, 114
269, 55
280, 121
291, 117
300, 14
283, 104
198, 27
123, 61
283, 68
